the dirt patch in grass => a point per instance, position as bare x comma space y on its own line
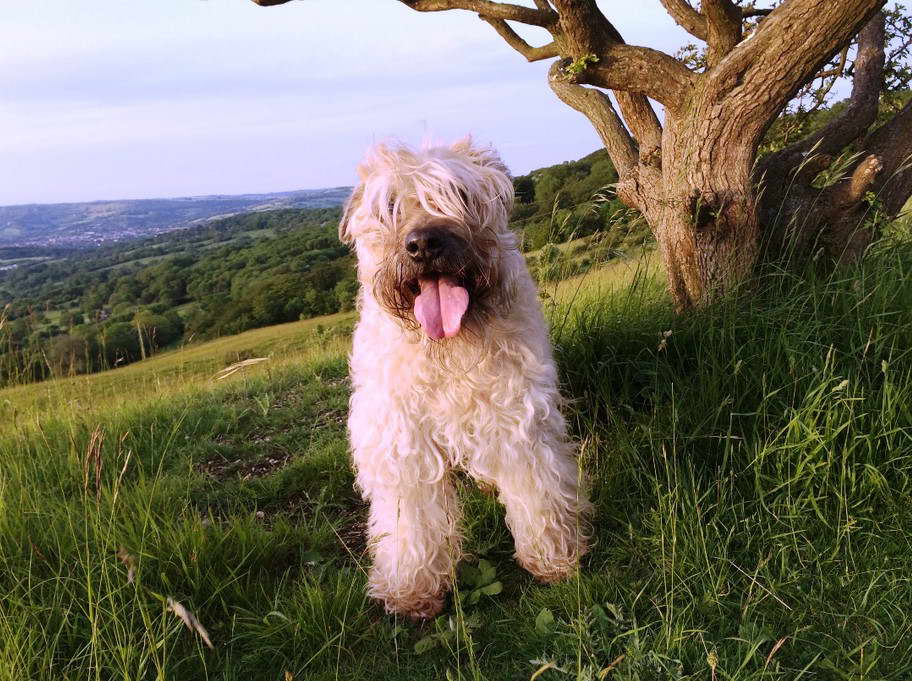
352, 533
220, 468
331, 417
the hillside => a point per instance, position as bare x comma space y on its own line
749, 465
67, 311
197, 364
81, 311
85, 225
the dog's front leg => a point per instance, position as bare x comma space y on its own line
413, 533
540, 483
547, 507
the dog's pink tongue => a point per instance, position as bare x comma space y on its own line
440, 306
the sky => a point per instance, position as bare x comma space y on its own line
125, 99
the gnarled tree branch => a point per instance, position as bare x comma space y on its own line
606, 61
860, 112
723, 28
596, 106
686, 17
762, 74
627, 68
885, 174
851, 191
846, 235
643, 123
514, 40
750, 12
892, 143
494, 10
788, 48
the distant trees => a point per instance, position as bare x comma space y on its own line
95, 310
158, 330
566, 201
68, 355
345, 292
119, 343
123, 302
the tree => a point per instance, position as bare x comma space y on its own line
697, 176
158, 330
524, 188
69, 355
345, 292
120, 343
548, 189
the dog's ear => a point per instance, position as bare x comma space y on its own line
485, 157
351, 207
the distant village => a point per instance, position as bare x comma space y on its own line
93, 224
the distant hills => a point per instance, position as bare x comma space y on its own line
66, 309
85, 225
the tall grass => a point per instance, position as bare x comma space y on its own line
174, 371
750, 466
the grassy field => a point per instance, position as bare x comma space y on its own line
193, 365
751, 467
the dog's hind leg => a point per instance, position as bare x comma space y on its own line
412, 532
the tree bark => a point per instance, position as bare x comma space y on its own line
706, 222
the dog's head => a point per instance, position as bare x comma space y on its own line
430, 230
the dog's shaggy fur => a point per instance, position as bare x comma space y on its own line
483, 398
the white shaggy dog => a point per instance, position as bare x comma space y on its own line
451, 368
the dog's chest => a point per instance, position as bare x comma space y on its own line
452, 391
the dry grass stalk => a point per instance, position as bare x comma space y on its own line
94, 461
190, 620
237, 366
129, 561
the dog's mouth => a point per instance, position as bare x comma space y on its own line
447, 297
440, 304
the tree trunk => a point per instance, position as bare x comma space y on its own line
702, 209
705, 253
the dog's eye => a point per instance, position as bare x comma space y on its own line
392, 205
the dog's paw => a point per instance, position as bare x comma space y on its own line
556, 565
429, 610
416, 609
549, 573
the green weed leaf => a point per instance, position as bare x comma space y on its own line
425, 644
491, 589
486, 573
544, 623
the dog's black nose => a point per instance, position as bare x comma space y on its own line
426, 243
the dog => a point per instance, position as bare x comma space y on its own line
451, 368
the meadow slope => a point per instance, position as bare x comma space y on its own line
750, 467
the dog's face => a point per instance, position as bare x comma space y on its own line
430, 231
